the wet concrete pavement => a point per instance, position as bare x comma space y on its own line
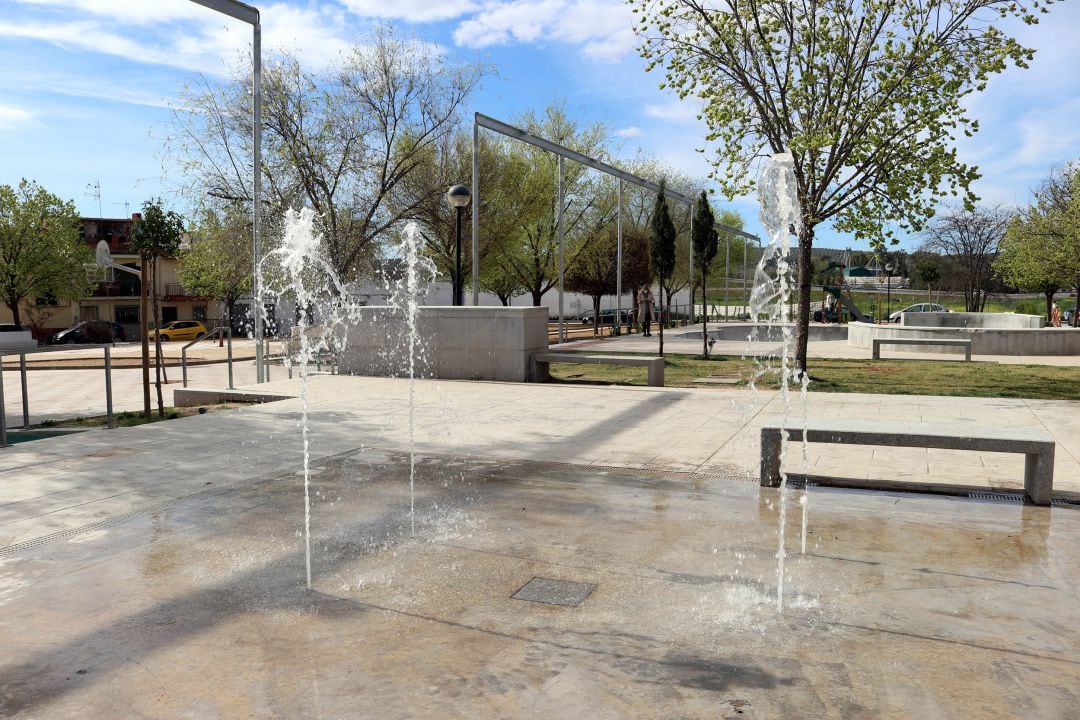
903, 606
159, 571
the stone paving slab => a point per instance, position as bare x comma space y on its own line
902, 605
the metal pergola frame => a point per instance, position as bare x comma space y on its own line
250, 15
562, 152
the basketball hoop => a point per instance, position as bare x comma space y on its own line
96, 273
106, 263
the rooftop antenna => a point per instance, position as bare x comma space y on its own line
94, 190
127, 207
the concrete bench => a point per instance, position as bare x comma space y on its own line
541, 361
1037, 445
965, 344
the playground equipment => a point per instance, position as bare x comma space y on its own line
838, 294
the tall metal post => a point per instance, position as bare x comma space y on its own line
25, 401
459, 284
691, 283
108, 389
3, 410
229, 351
618, 261
743, 293
256, 100
727, 275
475, 213
562, 329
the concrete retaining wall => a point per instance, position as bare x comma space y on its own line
994, 321
464, 343
984, 341
738, 332
17, 340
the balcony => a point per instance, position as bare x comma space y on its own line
179, 292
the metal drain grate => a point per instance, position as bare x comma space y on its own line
115, 520
1010, 498
554, 592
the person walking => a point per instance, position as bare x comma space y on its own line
645, 309
1055, 316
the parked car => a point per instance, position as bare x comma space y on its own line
607, 317
178, 330
920, 308
89, 332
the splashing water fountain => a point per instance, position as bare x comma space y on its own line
298, 272
769, 306
518, 549
405, 298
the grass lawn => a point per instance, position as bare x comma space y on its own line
131, 418
886, 377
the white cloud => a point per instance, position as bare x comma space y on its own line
128, 12
12, 117
629, 132
417, 11
204, 42
683, 111
1048, 135
604, 28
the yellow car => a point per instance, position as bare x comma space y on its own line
178, 330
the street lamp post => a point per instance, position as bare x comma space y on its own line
458, 197
888, 290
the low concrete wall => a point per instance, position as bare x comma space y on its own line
17, 340
463, 343
738, 332
984, 341
994, 321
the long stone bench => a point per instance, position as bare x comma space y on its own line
1037, 445
961, 343
541, 362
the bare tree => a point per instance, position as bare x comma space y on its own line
969, 238
340, 142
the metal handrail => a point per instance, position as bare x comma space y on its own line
25, 395
213, 333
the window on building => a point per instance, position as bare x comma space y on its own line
127, 314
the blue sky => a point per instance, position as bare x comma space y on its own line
86, 85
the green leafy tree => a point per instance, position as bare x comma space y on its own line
40, 252
217, 261
662, 249
706, 242
594, 271
531, 252
1041, 248
501, 173
737, 256
154, 235
928, 271
868, 97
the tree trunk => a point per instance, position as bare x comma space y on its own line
15, 317
1076, 306
661, 323
537, 297
806, 242
157, 336
693, 288
704, 314
1049, 303
596, 315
